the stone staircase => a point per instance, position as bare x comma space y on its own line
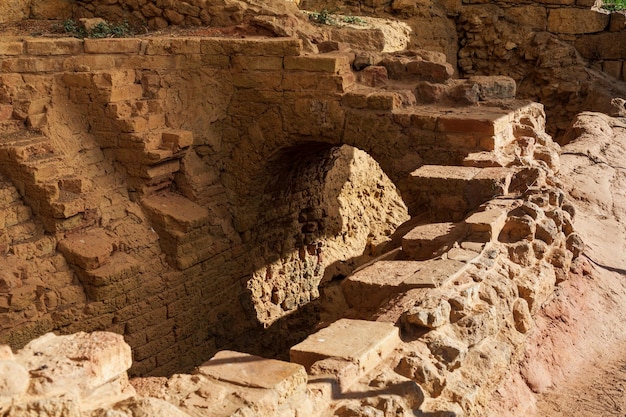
34, 277
135, 127
42, 175
472, 135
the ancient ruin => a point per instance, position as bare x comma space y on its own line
350, 209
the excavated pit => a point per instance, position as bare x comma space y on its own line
397, 234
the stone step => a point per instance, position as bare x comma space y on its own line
141, 157
485, 225
44, 170
11, 126
450, 192
26, 149
67, 205
418, 66
116, 275
14, 214
183, 228
431, 240
88, 250
346, 350
485, 159
155, 172
373, 99
235, 384
175, 212
371, 286
35, 247
471, 91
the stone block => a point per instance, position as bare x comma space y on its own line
363, 343
14, 10
431, 240
176, 140
384, 101
252, 47
370, 286
25, 65
81, 362
256, 372
88, 250
51, 9
360, 39
63, 46
484, 226
373, 76
112, 46
168, 46
160, 170
494, 87
173, 211
576, 21
429, 71
256, 63
330, 63
618, 22
126, 92
11, 48
535, 17
613, 68
120, 268
607, 45
430, 313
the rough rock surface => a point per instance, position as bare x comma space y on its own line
577, 346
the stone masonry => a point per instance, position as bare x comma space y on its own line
193, 194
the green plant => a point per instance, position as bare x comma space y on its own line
71, 27
101, 30
323, 17
109, 30
326, 17
614, 5
355, 20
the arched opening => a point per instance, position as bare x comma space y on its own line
321, 211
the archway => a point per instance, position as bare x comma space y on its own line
321, 211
